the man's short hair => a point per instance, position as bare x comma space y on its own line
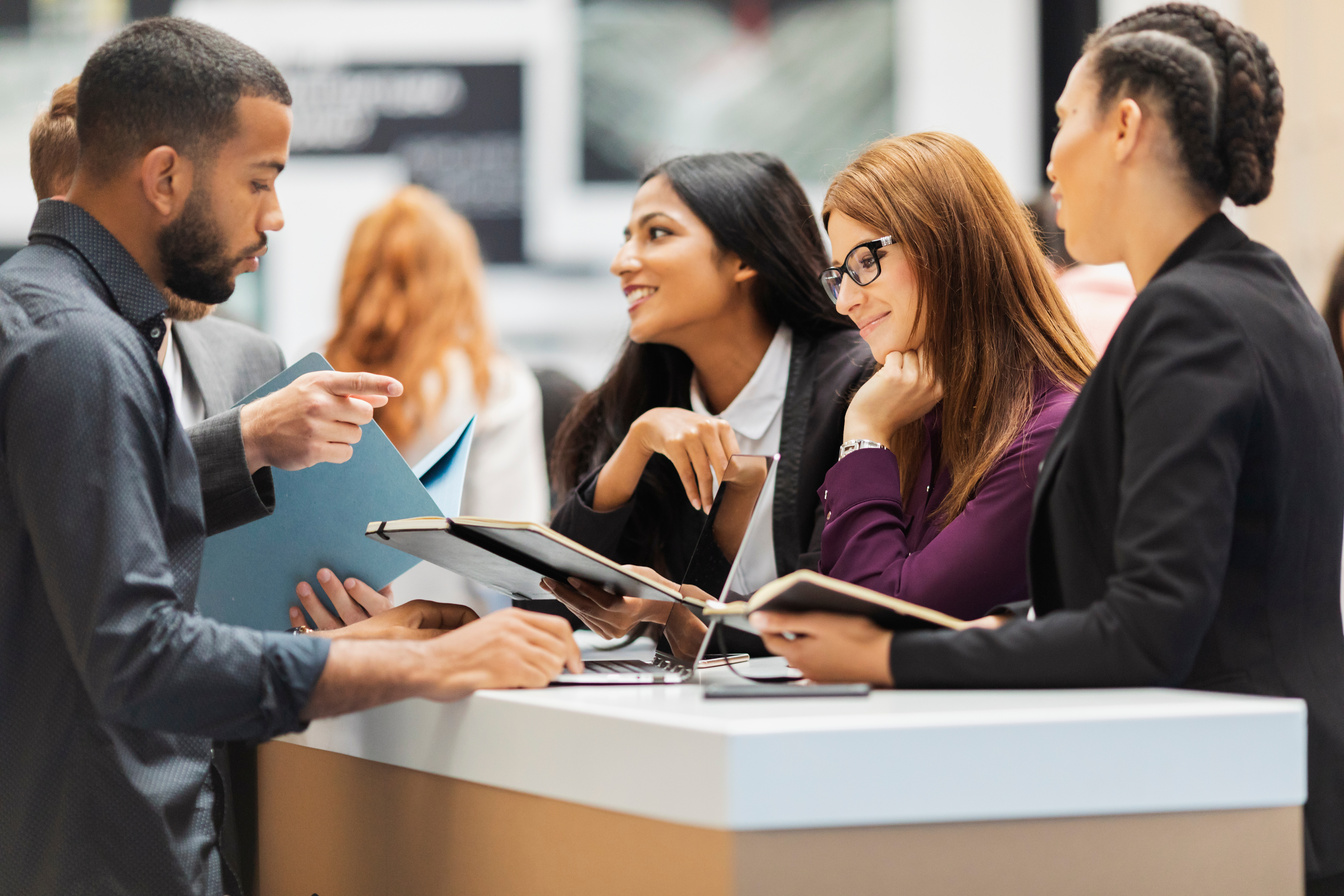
53, 145
167, 82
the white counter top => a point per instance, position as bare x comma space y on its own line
894, 757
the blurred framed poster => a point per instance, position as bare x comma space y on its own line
808, 80
458, 128
610, 87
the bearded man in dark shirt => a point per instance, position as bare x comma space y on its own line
111, 687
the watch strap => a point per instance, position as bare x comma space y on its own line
855, 444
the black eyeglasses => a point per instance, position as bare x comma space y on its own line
861, 265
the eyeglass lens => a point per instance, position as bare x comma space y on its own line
861, 264
830, 279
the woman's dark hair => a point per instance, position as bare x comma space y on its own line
1333, 311
756, 209
1218, 86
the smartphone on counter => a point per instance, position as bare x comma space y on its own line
729, 690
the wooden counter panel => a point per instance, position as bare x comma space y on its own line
334, 825
1247, 852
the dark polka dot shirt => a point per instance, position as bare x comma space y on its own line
111, 686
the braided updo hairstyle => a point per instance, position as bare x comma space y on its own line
1217, 82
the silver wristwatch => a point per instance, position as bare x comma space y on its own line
855, 444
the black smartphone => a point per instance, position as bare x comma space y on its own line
727, 690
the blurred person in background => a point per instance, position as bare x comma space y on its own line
53, 145
733, 347
1097, 294
411, 308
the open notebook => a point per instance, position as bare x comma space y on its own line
806, 591
512, 557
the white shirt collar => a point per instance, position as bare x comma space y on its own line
187, 399
756, 406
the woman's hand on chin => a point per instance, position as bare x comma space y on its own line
903, 390
828, 647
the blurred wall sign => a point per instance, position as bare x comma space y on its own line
459, 129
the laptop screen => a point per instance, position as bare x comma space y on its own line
736, 511
718, 551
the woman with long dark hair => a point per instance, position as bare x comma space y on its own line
1188, 517
733, 346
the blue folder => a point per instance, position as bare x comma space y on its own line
249, 573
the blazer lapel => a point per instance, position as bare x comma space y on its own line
204, 371
1050, 466
1043, 597
792, 433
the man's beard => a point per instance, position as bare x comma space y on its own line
186, 310
197, 270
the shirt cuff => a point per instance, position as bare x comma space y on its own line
597, 530
913, 653
231, 495
291, 667
868, 474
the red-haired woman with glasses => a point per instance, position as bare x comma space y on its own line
938, 266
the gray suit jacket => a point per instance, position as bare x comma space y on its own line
226, 361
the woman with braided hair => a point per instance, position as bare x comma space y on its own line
1187, 519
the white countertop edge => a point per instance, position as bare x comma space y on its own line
913, 719
779, 773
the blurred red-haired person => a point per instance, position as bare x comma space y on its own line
411, 302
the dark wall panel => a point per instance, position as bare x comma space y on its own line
1065, 24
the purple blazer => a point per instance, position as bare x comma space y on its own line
965, 569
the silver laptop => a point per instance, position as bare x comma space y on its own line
734, 515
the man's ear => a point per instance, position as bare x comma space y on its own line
1127, 124
166, 180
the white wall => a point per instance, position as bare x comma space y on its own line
972, 67
1113, 10
323, 198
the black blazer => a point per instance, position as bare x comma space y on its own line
1186, 528
823, 374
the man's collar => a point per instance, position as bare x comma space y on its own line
756, 406
133, 295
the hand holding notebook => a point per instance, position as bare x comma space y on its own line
248, 574
805, 591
